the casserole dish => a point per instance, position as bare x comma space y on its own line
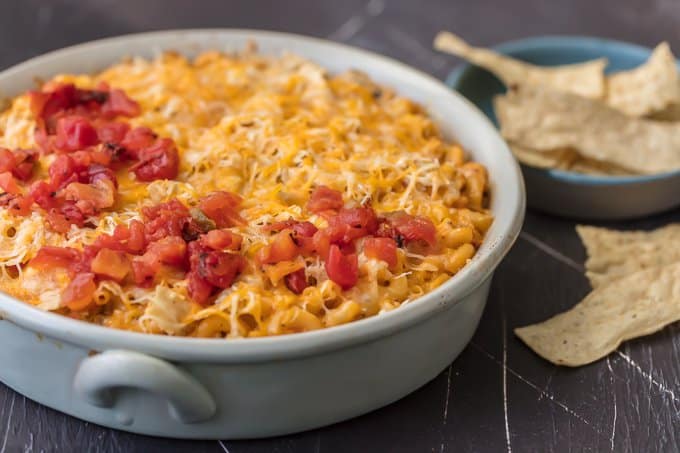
257, 387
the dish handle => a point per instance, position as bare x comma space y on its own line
99, 376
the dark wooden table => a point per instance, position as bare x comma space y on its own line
497, 395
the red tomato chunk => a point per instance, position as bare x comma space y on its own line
384, 249
342, 269
324, 198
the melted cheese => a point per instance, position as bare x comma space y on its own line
269, 129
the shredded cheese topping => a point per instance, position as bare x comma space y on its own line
269, 128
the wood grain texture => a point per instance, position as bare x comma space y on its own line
497, 396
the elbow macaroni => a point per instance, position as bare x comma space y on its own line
270, 129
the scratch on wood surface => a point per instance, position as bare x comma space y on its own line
445, 414
505, 381
559, 256
652, 380
566, 408
28, 448
411, 44
354, 24
9, 422
349, 29
374, 8
545, 387
224, 447
317, 447
448, 393
611, 379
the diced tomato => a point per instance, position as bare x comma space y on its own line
322, 243
137, 139
63, 171
306, 229
9, 184
19, 163
61, 219
44, 141
142, 273
350, 224
119, 104
222, 208
136, 241
101, 193
111, 264
127, 238
384, 249
159, 161
17, 204
165, 219
24, 161
220, 269
57, 221
303, 233
296, 281
49, 257
79, 293
282, 248
407, 228
112, 132
199, 288
98, 172
210, 269
46, 104
84, 263
66, 97
221, 240
303, 236
101, 157
324, 198
168, 250
7, 162
42, 194
342, 269
75, 133
23, 171
82, 159
55, 112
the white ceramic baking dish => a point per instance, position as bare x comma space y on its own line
246, 388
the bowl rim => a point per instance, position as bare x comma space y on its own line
494, 249
556, 41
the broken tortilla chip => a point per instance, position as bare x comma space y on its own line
649, 88
670, 113
565, 159
559, 158
615, 254
543, 119
636, 305
584, 79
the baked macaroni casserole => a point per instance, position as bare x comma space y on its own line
232, 195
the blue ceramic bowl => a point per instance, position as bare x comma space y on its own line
565, 193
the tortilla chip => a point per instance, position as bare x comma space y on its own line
559, 158
670, 113
584, 79
633, 306
543, 119
592, 167
649, 88
616, 254
566, 159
